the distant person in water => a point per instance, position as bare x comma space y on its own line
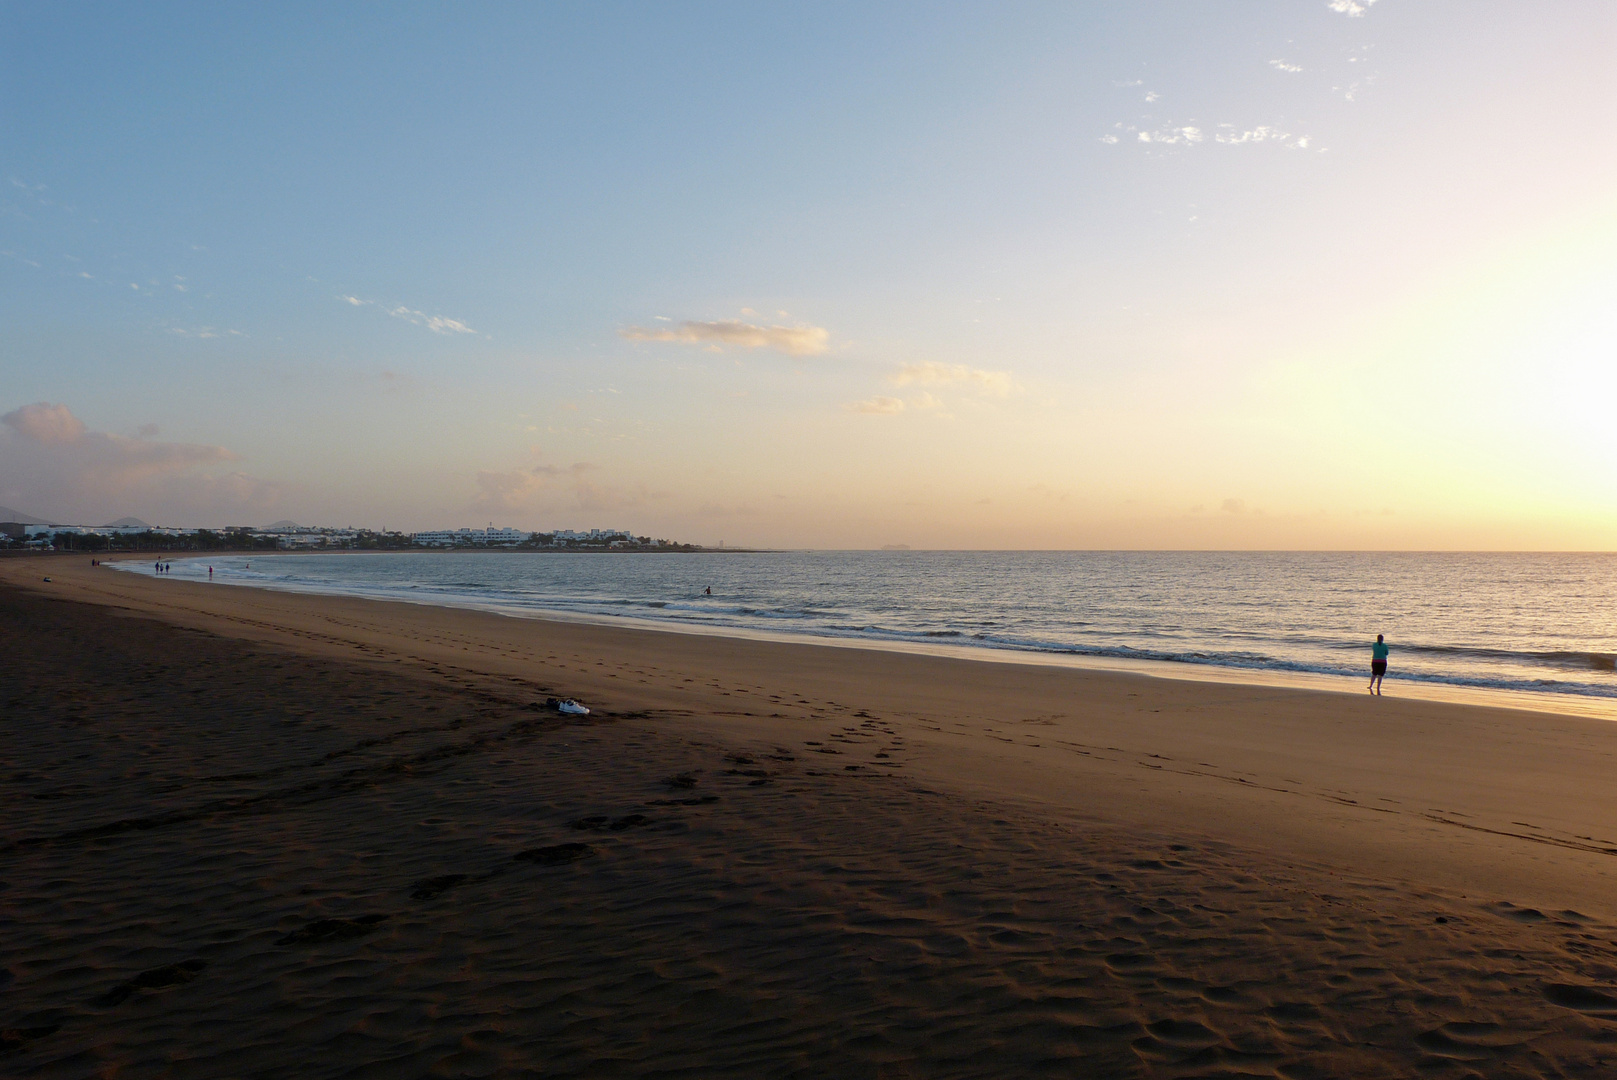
1378, 664
708, 591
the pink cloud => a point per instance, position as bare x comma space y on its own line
56, 465
45, 423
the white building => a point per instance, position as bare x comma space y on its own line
482, 537
441, 538
592, 534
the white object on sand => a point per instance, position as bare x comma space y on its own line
571, 707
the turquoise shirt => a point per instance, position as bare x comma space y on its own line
1378, 651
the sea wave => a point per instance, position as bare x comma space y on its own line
1279, 628
1567, 660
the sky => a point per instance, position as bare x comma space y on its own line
1334, 274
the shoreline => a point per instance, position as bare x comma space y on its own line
1551, 702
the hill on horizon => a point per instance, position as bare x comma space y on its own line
285, 523
126, 523
8, 514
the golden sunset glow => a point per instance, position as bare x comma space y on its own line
1313, 278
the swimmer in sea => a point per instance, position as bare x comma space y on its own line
1378, 664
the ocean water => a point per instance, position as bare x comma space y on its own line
1539, 624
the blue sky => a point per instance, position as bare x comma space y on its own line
1189, 274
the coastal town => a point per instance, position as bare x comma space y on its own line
19, 532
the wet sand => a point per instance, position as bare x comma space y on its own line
261, 834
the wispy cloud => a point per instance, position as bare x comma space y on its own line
877, 406
1353, 9
1225, 134
1172, 136
438, 324
792, 340
1228, 135
550, 487
1282, 65
203, 332
516, 489
1352, 90
932, 373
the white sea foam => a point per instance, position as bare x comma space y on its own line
1530, 623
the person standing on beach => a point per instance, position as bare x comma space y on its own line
1378, 664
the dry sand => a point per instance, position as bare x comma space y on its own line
260, 834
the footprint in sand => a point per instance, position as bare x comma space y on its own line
1223, 995
1470, 1041
1130, 963
1584, 999
323, 930
1292, 1012
1523, 915
555, 854
155, 979
16, 1038
697, 800
437, 886
1170, 1040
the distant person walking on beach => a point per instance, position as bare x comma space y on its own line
1378, 664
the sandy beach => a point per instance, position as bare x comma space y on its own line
255, 834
